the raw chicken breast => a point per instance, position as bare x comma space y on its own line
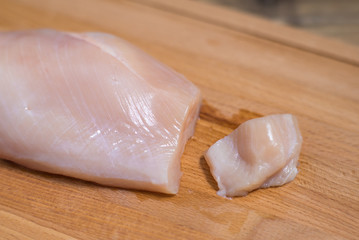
92, 106
260, 153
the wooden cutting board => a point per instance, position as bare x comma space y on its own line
245, 68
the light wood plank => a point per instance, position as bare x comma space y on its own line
241, 75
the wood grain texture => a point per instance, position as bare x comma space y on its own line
242, 74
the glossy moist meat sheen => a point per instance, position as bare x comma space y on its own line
260, 153
92, 106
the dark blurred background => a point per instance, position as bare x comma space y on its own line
332, 18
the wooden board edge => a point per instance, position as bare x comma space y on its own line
255, 26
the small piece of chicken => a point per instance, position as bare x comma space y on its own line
260, 153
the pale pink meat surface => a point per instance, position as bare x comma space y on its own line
260, 153
94, 107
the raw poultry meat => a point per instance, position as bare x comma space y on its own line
94, 107
260, 153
